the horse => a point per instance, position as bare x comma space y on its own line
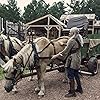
37, 54
9, 46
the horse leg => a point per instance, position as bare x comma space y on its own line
37, 89
41, 79
15, 89
31, 78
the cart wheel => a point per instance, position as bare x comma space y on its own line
95, 69
93, 65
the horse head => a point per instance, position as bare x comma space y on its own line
13, 72
14, 67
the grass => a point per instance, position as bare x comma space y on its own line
1, 74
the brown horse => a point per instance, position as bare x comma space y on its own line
37, 54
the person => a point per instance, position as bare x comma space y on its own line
72, 55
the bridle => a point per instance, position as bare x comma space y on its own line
14, 77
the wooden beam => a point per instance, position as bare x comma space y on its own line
59, 32
48, 20
43, 26
35, 73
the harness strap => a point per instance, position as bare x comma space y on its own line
44, 47
8, 78
53, 47
36, 57
2, 57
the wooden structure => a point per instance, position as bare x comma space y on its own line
47, 26
97, 27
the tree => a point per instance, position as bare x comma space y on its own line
77, 7
13, 12
93, 6
3, 11
57, 9
35, 10
38, 9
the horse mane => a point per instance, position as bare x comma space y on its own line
3, 36
39, 38
23, 53
26, 50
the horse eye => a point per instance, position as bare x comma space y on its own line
13, 71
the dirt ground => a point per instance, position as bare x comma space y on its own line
55, 88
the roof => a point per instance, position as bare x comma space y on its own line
44, 17
66, 17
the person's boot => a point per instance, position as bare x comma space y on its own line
71, 92
79, 87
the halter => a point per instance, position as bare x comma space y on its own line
13, 79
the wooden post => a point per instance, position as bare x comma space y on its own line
48, 27
59, 29
48, 30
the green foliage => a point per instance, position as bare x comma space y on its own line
93, 6
1, 74
85, 7
77, 7
13, 11
38, 9
93, 36
35, 10
57, 9
10, 11
3, 11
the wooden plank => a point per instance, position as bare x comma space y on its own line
35, 73
43, 26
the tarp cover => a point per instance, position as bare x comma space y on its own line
93, 42
79, 22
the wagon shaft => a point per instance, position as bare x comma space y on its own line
34, 73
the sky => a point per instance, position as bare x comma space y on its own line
22, 3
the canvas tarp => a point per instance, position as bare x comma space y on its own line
93, 42
79, 22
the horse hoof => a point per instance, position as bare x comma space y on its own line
37, 90
41, 94
14, 92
